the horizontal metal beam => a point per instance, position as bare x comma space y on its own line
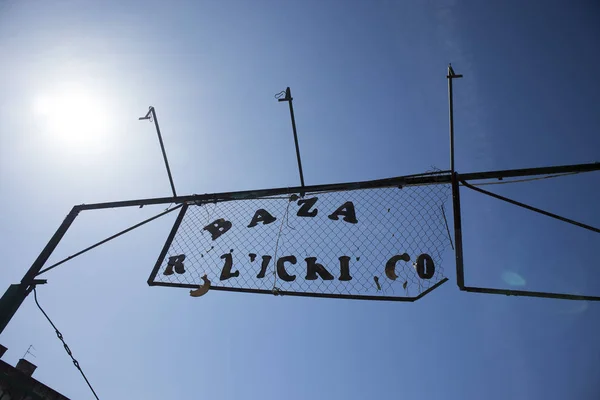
513, 173
305, 294
422, 179
527, 293
441, 177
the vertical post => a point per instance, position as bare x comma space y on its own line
460, 278
11, 301
15, 294
289, 99
451, 75
458, 247
162, 146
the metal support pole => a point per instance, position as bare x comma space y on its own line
460, 278
458, 245
13, 298
289, 99
47, 251
451, 75
162, 146
15, 294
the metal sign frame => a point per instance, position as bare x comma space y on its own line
16, 293
14, 296
401, 182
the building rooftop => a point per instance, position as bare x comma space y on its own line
18, 383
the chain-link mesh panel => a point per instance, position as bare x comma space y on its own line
351, 233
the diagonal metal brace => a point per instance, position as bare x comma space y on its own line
531, 208
108, 239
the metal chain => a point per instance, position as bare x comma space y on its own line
67, 349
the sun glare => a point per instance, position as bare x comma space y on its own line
73, 118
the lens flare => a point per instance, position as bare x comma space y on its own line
513, 279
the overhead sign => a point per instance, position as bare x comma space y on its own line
376, 243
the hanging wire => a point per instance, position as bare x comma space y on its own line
67, 349
287, 214
447, 228
280, 95
207, 214
275, 289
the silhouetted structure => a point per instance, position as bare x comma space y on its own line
17, 383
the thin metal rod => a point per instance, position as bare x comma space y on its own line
531, 208
526, 293
108, 239
458, 250
162, 147
451, 122
306, 294
296, 142
451, 75
289, 99
447, 227
423, 179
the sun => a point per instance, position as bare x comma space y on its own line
73, 118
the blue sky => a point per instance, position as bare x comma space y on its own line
370, 93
